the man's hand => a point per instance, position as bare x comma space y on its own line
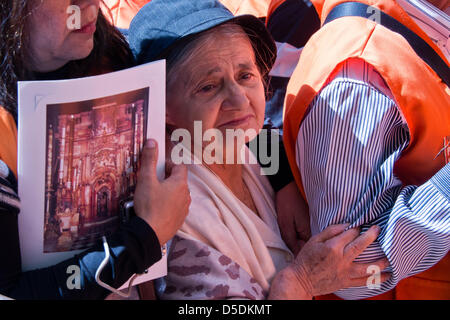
162, 204
293, 217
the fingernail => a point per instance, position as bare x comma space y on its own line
346, 225
150, 143
377, 229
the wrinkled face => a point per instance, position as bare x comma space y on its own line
60, 31
219, 84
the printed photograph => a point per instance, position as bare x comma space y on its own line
92, 158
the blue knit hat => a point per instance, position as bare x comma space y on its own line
161, 24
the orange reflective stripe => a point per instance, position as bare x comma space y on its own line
8, 141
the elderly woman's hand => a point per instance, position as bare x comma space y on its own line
162, 204
325, 264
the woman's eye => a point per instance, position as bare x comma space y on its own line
206, 88
246, 76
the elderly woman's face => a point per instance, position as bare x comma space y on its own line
219, 85
60, 31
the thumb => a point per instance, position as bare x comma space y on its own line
178, 172
149, 159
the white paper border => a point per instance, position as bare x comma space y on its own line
33, 97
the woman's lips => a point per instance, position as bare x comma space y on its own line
88, 28
237, 121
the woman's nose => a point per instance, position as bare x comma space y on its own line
236, 97
89, 10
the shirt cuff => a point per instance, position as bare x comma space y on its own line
147, 243
441, 180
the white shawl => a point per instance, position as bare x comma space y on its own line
220, 220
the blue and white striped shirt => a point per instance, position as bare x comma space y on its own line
346, 148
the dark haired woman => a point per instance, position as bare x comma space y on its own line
37, 42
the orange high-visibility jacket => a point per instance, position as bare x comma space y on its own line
121, 12
8, 140
422, 97
257, 8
